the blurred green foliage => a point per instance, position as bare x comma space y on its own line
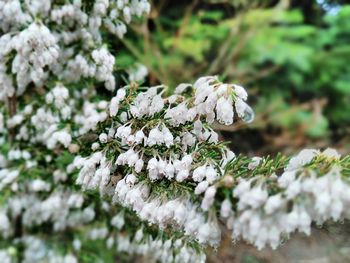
293, 56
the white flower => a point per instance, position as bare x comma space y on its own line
182, 175
118, 221
169, 171
273, 203
139, 137
181, 88
293, 189
303, 158
211, 174
240, 92
323, 202
241, 107
114, 106
95, 146
103, 138
5, 225
155, 136
242, 188
39, 185
187, 160
286, 178
201, 187
121, 93
331, 153
139, 165
199, 173
131, 179
208, 198
139, 235
139, 73
167, 137
257, 197
226, 208
254, 163
224, 111
157, 105
203, 233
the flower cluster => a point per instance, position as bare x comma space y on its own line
129, 192
303, 193
151, 124
59, 96
36, 250
46, 46
138, 73
171, 250
139, 129
47, 50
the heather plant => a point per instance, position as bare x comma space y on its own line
94, 172
292, 56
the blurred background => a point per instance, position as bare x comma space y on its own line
293, 57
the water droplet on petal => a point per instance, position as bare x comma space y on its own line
248, 115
